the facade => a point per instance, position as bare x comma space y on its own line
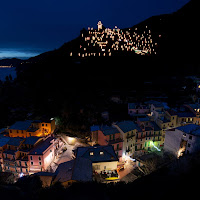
183, 140
138, 109
41, 156
29, 128
108, 135
11, 155
103, 158
129, 138
3, 147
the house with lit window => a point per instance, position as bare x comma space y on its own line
3, 146
41, 156
11, 154
22, 162
128, 130
108, 135
182, 140
30, 128
104, 158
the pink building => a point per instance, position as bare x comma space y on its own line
41, 156
107, 135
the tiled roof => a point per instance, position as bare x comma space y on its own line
127, 126
110, 131
15, 141
107, 156
31, 140
21, 125
4, 141
79, 169
40, 148
190, 129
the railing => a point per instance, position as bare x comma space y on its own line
130, 136
115, 141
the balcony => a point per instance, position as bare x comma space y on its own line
117, 140
130, 136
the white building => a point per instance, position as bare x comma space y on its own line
183, 139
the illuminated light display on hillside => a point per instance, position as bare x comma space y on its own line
111, 40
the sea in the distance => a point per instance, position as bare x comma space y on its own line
6, 72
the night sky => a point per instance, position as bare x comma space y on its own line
30, 27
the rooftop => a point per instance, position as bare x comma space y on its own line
4, 141
110, 131
31, 140
79, 169
192, 129
126, 126
97, 153
40, 148
15, 141
21, 125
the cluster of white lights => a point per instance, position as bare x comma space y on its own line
102, 42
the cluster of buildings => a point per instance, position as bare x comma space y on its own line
28, 147
105, 41
149, 130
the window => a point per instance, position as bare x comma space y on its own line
46, 124
97, 167
22, 131
39, 158
40, 163
104, 167
101, 153
10, 131
91, 153
31, 163
42, 124
190, 137
31, 157
189, 145
117, 146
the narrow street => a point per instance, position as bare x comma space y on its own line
126, 175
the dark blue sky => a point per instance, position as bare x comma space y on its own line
30, 27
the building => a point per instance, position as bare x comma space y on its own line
183, 140
103, 158
29, 128
11, 154
77, 170
41, 156
138, 109
108, 135
3, 146
22, 162
128, 130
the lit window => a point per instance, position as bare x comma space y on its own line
91, 153
101, 153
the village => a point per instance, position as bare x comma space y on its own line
105, 42
122, 151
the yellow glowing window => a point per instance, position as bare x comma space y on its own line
101, 153
91, 153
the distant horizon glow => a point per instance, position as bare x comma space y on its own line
17, 53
